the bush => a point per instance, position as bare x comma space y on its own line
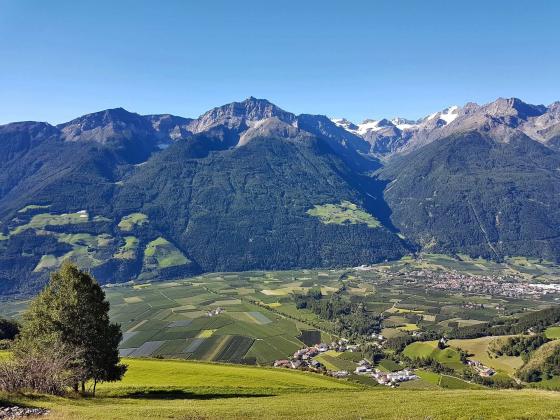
50, 372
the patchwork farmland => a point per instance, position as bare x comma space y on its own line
238, 318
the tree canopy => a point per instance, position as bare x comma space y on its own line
72, 312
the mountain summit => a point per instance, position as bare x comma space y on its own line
249, 186
500, 119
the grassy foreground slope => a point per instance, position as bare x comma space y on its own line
188, 390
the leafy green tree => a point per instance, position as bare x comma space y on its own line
72, 310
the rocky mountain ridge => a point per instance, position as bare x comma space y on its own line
500, 119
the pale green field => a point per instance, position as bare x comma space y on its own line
154, 389
479, 348
343, 213
132, 220
160, 253
552, 332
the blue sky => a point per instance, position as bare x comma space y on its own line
358, 59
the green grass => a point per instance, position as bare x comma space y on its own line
132, 220
157, 389
420, 349
128, 250
160, 253
541, 355
450, 382
42, 220
342, 214
332, 361
200, 377
552, 332
389, 365
408, 327
46, 262
550, 384
478, 347
33, 207
448, 357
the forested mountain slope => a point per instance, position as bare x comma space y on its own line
473, 194
132, 197
248, 185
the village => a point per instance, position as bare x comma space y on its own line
506, 286
303, 359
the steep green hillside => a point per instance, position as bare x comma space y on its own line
199, 205
253, 206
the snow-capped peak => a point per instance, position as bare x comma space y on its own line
403, 123
347, 125
448, 115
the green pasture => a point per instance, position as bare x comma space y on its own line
186, 390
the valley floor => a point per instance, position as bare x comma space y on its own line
193, 390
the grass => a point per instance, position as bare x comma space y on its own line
42, 220
199, 377
420, 349
408, 327
552, 332
343, 214
539, 356
478, 347
160, 253
33, 207
46, 262
550, 384
332, 361
128, 250
158, 389
205, 333
448, 357
132, 220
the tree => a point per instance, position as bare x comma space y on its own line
8, 329
72, 310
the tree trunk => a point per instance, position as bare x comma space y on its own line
83, 387
75, 386
94, 385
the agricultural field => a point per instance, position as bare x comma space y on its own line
448, 357
243, 318
160, 253
254, 319
552, 332
478, 348
182, 389
132, 220
343, 213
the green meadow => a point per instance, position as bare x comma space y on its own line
163, 389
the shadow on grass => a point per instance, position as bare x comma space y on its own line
177, 394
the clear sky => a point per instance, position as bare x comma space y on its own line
357, 59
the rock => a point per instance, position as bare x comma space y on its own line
15, 412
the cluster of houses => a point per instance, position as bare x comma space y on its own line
215, 312
391, 379
510, 285
482, 370
303, 358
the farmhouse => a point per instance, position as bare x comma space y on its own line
482, 370
282, 363
393, 378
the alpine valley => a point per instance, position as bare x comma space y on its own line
249, 186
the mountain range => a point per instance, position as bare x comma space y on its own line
250, 186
